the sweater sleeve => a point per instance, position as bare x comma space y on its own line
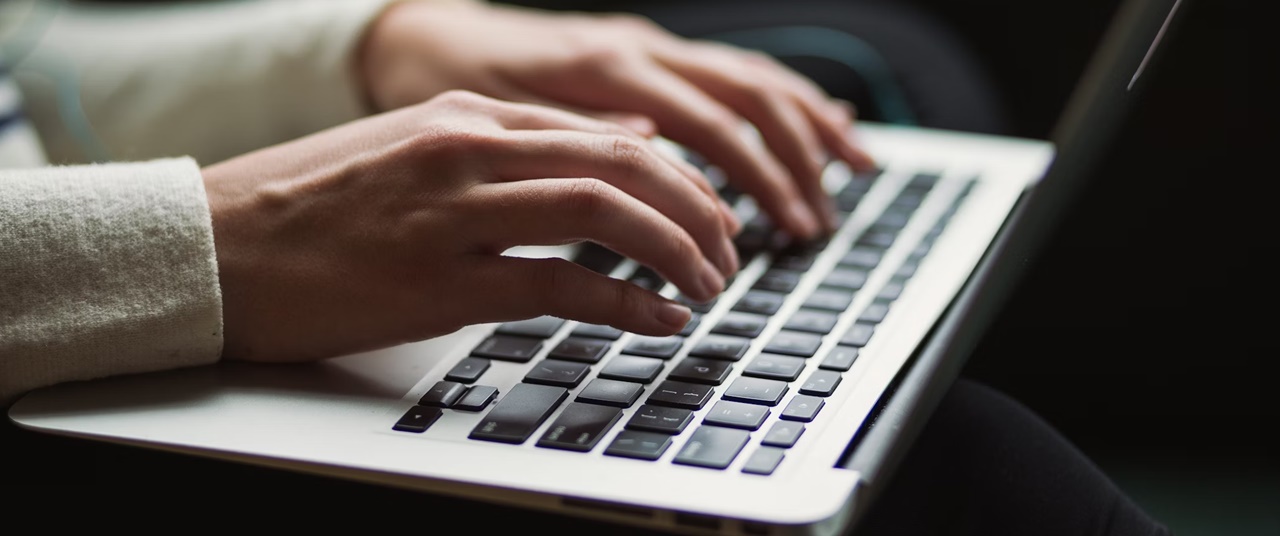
105, 269
208, 80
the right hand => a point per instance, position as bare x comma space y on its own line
392, 229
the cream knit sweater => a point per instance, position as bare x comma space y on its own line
110, 269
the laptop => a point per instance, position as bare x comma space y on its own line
784, 407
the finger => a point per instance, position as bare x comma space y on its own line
632, 165
533, 287
633, 122
759, 96
560, 211
689, 116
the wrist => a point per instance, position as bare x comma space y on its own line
395, 56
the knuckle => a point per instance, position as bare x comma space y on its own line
460, 98
626, 152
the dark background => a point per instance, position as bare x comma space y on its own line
1145, 331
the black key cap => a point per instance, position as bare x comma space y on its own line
858, 335
802, 408
878, 237
681, 394
660, 419
741, 324
597, 331
477, 398
697, 306
778, 280
639, 445
713, 447
580, 349
630, 368
862, 257
821, 383
721, 347
894, 218
764, 461
519, 413
659, 347
692, 324
875, 312
701, 370
540, 327
443, 394
783, 434
846, 278
579, 427
812, 321
760, 302
597, 258
508, 348
840, 358
644, 277
756, 391
468, 370
775, 367
893, 289
557, 372
417, 419
796, 259
829, 299
608, 392
736, 415
794, 343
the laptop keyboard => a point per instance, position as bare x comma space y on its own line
652, 390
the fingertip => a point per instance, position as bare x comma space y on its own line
673, 315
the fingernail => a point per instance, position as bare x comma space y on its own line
803, 215
712, 282
730, 218
730, 255
673, 315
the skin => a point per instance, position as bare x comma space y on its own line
503, 127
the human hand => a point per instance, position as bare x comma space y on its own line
392, 229
696, 93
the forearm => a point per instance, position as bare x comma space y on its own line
209, 80
105, 270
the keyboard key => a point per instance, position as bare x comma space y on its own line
659, 347
721, 347
608, 392
829, 299
644, 277
639, 445
858, 335
417, 419
794, 343
775, 367
713, 447
760, 302
875, 312
443, 394
468, 370
840, 358
660, 419
508, 348
803, 408
893, 289
697, 306
580, 349
878, 237
862, 257
692, 324
579, 427
741, 324
702, 370
515, 417
736, 415
812, 321
540, 327
630, 368
846, 278
764, 461
476, 398
681, 394
821, 383
756, 391
597, 331
778, 280
783, 434
557, 372
597, 258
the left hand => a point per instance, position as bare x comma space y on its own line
697, 93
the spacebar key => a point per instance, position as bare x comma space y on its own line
516, 415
